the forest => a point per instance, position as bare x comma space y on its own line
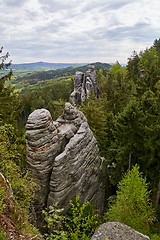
125, 120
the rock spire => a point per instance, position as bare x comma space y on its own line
64, 159
83, 84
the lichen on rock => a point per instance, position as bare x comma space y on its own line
117, 231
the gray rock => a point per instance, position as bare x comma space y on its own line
117, 231
83, 84
63, 157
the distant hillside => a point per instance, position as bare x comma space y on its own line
43, 78
43, 66
42, 75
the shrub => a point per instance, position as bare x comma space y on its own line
2, 191
10, 159
54, 220
132, 205
81, 220
155, 237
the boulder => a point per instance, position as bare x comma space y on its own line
117, 231
64, 159
83, 84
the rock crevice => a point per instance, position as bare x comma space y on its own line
83, 83
63, 157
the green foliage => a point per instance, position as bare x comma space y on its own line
151, 72
79, 223
94, 110
39, 79
118, 75
2, 191
136, 138
52, 97
104, 83
132, 67
127, 145
121, 87
3, 235
155, 237
54, 221
150, 104
8, 99
10, 161
132, 205
81, 220
156, 44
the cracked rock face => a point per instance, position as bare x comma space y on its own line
117, 231
83, 84
64, 159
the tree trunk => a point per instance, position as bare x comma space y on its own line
157, 197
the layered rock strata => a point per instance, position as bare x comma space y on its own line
64, 158
83, 83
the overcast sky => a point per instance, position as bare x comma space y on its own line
77, 30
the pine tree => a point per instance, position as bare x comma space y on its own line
128, 131
8, 99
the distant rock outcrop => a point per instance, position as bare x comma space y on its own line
63, 157
83, 84
117, 231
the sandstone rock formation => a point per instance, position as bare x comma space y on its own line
83, 84
64, 158
117, 231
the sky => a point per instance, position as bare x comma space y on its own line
77, 31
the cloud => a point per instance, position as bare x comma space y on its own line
14, 3
138, 32
57, 30
55, 6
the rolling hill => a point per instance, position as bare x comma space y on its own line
42, 78
43, 66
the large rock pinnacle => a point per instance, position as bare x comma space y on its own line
64, 159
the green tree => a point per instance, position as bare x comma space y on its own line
95, 111
135, 139
9, 103
132, 67
156, 44
132, 205
128, 138
150, 71
121, 87
104, 83
118, 75
150, 103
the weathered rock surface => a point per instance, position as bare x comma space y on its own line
117, 231
83, 84
64, 158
